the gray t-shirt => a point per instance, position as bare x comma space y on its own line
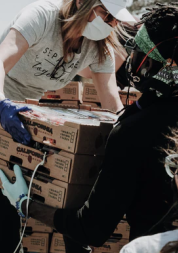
40, 25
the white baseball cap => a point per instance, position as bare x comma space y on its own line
118, 9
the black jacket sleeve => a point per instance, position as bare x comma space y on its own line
131, 180
111, 196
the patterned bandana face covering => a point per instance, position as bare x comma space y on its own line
145, 44
168, 74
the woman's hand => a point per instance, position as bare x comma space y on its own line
11, 123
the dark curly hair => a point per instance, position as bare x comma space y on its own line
162, 23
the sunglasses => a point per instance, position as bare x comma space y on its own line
109, 17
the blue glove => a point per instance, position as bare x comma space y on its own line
11, 123
14, 191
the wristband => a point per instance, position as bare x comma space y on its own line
138, 105
19, 203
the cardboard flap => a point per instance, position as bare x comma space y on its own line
72, 124
36, 242
37, 226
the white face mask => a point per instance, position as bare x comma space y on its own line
97, 29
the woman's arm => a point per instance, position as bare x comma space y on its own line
11, 50
119, 60
2, 76
107, 90
46, 216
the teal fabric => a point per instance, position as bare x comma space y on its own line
144, 42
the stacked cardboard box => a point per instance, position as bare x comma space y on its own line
68, 97
81, 96
114, 244
36, 242
71, 96
74, 149
119, 238
57, 243
91, 97
37, 226
37, 236
64, 187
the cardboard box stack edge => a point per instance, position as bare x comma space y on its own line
91, 97
66, 178
119, 238
83, 96
64, 181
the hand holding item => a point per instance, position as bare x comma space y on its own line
11, 123
16, 193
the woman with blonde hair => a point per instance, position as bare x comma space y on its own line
50, 42
44, 47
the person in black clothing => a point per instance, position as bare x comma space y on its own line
132, 180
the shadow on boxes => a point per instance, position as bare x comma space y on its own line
118, 239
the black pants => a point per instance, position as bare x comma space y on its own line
9, 226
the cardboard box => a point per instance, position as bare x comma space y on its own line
57, 243
19, 154
68, 102
45, 103
123, 228
53, 192
134, 95
111, 246
4, 133
31, 101
90, 93
36, 242
2, 162
37, 226
74, 169
89, 104
73, 137
72, 91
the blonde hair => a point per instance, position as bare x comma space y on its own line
73, 23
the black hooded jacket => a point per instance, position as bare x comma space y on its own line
132, 180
